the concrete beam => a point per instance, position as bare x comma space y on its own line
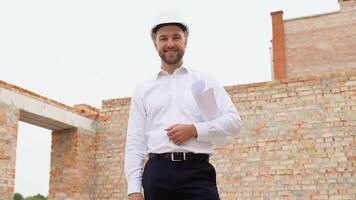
45, 115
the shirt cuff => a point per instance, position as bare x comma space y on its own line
203, 131
134, 187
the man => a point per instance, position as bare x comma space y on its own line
166, 124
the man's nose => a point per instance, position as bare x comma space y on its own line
170, 43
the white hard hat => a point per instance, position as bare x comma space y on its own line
169, 18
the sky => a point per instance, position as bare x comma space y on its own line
86, 51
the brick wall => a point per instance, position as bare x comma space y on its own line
72, 165
321, 44
278, 44
297, 142
110, 145
8, 140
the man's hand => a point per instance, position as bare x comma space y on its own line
180, 133
135, 196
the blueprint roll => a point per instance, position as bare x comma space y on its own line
206, 102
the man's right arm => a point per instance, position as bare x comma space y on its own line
135, 145
135, 196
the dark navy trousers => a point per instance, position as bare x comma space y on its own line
183, 180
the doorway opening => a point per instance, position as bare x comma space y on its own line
33, 155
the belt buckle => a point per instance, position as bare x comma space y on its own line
177, 160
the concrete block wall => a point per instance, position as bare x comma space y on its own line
297, 142
321, 44
9, 116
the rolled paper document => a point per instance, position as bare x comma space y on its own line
206, 102
198, 86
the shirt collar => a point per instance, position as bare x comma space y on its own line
178, 70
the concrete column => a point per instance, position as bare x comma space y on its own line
72, 165
9, 117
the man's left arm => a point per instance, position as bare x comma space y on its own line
227, 123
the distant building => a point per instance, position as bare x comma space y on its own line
315, 45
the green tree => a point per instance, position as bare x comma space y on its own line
36, 197
18, 196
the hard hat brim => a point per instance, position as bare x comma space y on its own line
180, 25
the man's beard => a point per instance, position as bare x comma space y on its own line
172, 61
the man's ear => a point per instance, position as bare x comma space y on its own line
186, 38
154, 43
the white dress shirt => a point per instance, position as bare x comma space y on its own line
166, 100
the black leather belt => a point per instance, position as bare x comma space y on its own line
180, 156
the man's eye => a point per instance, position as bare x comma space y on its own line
162, 39
176, 38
